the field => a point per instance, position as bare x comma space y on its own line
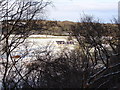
38, 44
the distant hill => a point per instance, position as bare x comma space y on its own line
66, 27
62, 27
52, 27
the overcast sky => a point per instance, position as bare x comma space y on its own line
72, 10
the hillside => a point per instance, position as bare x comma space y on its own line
66, 27
62, 27
52, 27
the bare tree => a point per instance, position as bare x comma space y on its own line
92, 65
16, 23
100, 51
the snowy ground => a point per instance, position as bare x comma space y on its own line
47, 43
37, 43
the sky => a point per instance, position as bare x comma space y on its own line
73, 10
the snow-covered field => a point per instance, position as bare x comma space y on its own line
44, 43
55, 44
